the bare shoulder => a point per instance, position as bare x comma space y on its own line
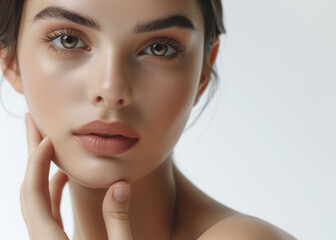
201, 217
244, 227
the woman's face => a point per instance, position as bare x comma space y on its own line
116, 73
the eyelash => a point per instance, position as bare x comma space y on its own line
60, 33
73, 33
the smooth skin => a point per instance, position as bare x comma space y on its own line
111, 82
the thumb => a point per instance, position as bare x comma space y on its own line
116, 211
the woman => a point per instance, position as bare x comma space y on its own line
110, 86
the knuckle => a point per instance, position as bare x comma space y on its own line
121, 215
26, 189
23, 189
31, 155
22, 192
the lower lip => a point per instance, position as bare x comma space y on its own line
101, 145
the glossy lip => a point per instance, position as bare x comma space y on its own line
123, 139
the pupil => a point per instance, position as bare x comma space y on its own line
68, 41
159, 49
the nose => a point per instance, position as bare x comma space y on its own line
110, 87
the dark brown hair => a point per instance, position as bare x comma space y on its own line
10, 17
11, 12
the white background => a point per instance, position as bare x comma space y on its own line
266, 144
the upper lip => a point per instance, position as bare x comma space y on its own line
100, 127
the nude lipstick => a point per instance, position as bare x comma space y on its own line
106, 138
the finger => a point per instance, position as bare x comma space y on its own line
23, 208
38, 166
35, 187
56, 186
33, 135
116, 211
35, 196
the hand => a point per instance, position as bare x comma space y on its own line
40, 200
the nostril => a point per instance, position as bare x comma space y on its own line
117, 102
121, 101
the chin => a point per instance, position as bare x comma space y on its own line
92, 183
92, 172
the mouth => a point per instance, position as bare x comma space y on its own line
106, 138
105, 135
105, 143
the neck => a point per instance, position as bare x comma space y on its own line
152, 207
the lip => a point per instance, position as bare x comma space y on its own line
123, 139
100, 127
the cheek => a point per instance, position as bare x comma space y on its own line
177, 88
169, 99
172, 100
48, 90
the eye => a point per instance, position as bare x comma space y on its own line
160, 50
68, 42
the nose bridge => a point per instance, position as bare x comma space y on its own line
111, 88
112, 65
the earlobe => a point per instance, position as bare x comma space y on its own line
11, 73
205, 78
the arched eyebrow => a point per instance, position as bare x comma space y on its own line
176, 20
63, 13
179, 21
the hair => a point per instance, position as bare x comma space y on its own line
11, 12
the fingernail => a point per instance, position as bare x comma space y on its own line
43, 141
121, 193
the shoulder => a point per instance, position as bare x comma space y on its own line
244, 227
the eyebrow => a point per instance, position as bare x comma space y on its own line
62, 13
179, 21
176, 20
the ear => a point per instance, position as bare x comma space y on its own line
11, 73
205, 78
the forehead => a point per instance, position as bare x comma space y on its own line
111, 14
